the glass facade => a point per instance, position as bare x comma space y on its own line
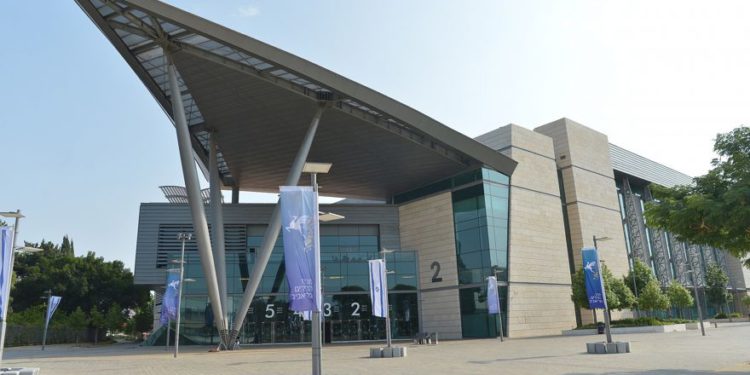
676, 258
480, 215
345, 250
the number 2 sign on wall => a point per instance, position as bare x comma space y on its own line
435, 266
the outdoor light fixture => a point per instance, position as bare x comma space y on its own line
329, 216
12, 215
602, 239
182, 237
28, 249
316, 167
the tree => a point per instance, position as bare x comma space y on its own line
144, 318
67, 248
716, 286
84, 281
618, 295
679, 296
78, 321
746, 302
114, 318
652, 298
625, 298
97, 321
642, 274
715, 210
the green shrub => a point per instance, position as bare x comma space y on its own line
720, 316
641, 322
735, 315
677, 321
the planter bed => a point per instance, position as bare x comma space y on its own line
728, 320
626, 330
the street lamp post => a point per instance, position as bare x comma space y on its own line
495, 271
606, 311
635, 286
383, 252
316, 337
17, 216
184, 237
697, 300
47, 296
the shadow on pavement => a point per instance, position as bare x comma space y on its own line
662, 372
516, 359
124, 349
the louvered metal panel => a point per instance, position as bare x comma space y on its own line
636, 165
235, 239
159, 224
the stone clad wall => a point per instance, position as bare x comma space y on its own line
582, 155
426, 226
539, 284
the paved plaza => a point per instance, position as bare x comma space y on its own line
724, 351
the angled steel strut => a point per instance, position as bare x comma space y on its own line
197, 211
274, 225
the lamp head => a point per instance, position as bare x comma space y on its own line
311, 167
329, 216
11, 214
28, 249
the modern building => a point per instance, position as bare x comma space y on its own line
515, 203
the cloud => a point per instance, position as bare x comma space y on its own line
248, 11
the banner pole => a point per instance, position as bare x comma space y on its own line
387, 311
46, 319
6, 296
169, 323
317, 320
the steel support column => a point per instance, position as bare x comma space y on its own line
694, 257
217, 227
636, 228
679, 254
274, 225
197, 211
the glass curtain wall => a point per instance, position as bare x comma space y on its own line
345, 250
480, 214
704, 254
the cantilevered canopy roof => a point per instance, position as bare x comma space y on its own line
260, 100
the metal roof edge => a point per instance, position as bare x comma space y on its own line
351, 88
636, 165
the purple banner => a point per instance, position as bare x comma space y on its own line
170, 303
299, 219
593, 279
6, 253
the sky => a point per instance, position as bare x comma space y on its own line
84, 143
